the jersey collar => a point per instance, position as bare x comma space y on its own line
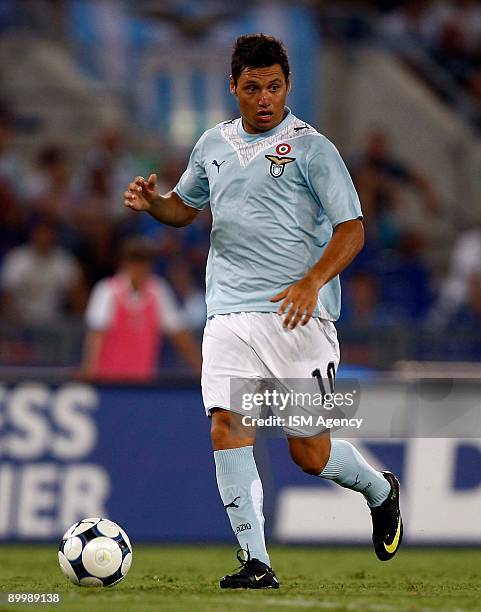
253, 137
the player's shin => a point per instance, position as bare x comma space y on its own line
241, 491
348, 468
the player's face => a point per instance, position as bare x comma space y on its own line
261, 93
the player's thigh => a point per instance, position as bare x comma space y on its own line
306, 351
304, 362
230, 372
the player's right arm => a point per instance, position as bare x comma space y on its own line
143, 195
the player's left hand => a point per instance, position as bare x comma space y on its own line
299, 301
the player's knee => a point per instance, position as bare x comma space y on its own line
227, 431
311, 467
219, 435
311, 461
221, 430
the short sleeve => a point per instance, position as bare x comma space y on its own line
331, 184
100, 306
169, 311
193, 186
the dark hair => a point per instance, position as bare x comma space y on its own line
258, 51
44, 221
137, 248
50, 155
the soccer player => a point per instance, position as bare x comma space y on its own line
286, 222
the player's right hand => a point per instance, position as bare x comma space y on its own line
141, 193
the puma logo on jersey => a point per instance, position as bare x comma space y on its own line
217, 165
278, 164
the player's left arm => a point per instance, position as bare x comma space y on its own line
300, 299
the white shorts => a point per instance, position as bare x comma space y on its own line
254, 345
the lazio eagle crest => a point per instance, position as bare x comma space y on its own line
278, 164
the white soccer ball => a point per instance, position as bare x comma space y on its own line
95, 552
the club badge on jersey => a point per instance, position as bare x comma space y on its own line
279, 163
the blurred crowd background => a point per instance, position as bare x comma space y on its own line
94, 93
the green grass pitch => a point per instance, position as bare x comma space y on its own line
185, 578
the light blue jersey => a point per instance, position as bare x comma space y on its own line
275, 198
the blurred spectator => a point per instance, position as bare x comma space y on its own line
449, 30
196, 244
406, 288
108, 168
449, 33
194, 310
49, 188
361, 306
394, 289
11, 220
98, 246
451, 48
470, 312
41, 282
474, 88
363, 318
456, 26
465, 263
126, 317
46, 17
379, 176
408, 26
169, 242
9, 163
466, 323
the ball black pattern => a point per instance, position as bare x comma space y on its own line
95, 552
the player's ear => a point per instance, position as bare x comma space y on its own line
232, 86
289, 83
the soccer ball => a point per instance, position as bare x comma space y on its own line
95, 552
